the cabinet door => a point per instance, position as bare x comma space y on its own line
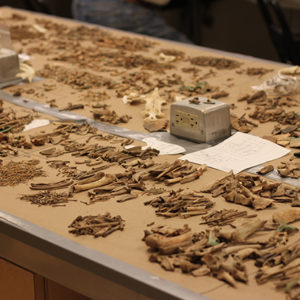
15, 282
56, 291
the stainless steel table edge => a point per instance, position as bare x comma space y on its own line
76, 266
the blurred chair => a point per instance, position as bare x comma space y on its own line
287, 45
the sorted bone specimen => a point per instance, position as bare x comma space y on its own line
169, 55
133, 98
153, 125
220, 94
153, 105
61, 133
257, 71
177, 172
216, 62
222, 217
99, 225
292, 130
51, 186
26, 72
13, 173
48, 198
252, 191
110, 116
211, 252
222, 253
77, 79
176, 203
265, 170
281, 266
260, 98
286, 216
71, 107
289, 169
119, 185
241, 123
279, 115
111, 154
10, 122
294, 70
98, 180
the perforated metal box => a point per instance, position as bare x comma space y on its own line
9, 64
200, 119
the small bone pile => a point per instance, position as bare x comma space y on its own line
241, 124
129, 154
223, 217
100, 225
9, 143
107, 186
222, 253
61, 133
216, 62
110, 116
9, 122
292, 130
282, 266
13, 173
96, 151
177, 172
289, 169
181, 204
279, 115
252, 190
48, 198
261, 99
127, 184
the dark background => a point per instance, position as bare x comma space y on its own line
230, 25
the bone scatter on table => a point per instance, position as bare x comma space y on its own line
225, 253
131, 82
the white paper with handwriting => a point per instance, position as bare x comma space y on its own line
237, 153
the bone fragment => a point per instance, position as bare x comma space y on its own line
106, 179
153, 105
286, 216
167, 245
242, 233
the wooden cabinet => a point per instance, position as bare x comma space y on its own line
17, 283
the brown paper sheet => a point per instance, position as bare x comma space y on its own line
127, 245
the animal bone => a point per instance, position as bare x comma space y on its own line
243, 232
286, 216
133, 98
51, 186
168, 245
153, 105
106, 179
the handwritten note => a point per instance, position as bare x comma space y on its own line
237, 153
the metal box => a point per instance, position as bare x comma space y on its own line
9, 64
200, 119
